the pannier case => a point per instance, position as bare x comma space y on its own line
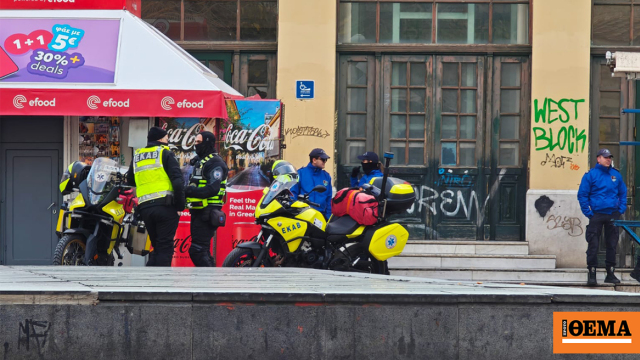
399, 193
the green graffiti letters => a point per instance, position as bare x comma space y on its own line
567, 137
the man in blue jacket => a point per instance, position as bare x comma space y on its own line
370, 165
603, 198
312, 175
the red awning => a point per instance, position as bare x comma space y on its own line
100, 62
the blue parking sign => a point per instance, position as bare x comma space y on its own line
305, 89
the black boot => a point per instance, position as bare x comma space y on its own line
611, 277
591, 280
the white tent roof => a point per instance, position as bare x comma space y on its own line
146, 58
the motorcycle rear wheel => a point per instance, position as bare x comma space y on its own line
70, 250
240, 257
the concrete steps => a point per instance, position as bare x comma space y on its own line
568, 277
420, 254
496, 262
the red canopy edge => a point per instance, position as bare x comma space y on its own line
106, 102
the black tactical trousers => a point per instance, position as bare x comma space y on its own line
161, 222
201, 233
594, 230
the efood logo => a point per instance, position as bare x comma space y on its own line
596, 332
20, 100
92, 101
184, 104
166, 102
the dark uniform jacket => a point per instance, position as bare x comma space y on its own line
214, 171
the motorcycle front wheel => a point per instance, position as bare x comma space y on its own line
70, 250
240, 257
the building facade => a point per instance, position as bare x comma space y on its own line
494, 108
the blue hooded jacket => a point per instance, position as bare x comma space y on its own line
309, 177
366, 178
603, 191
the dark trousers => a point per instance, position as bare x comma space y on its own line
594, 230
201, 233
161, 222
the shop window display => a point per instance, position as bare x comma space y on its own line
99, 136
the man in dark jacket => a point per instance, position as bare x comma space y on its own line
156, 174
370, 166
205, 197
312, 175
603, 199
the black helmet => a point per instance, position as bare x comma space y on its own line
282, 167
73, 176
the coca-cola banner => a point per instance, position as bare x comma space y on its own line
251, 141
182, 135
240, 209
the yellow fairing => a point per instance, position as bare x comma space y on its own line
388, 241
115, 210
289, 229
60, 217
299, 204
273, 206
313, 217
356, 233
78, 202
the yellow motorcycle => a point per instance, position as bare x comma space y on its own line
295, 234
100, 218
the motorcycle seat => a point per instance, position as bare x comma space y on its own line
343, 225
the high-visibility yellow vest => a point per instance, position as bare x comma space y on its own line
152, 182
217, 200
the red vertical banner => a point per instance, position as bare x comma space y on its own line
240, 209
182, 242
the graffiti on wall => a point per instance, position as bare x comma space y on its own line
446, 178
449, 203
309, 131
566, 136
571, 224
559, 162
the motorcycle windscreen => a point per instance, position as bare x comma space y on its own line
101, 179
281, 184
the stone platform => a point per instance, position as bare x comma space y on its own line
188, 313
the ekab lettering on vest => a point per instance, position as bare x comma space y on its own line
146, 156
588, 328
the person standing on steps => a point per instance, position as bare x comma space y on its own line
603, 199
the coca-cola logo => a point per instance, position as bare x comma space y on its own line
249, 140
236, 242
183, 139
182, 246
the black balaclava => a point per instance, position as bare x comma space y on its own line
207, 146
369, 167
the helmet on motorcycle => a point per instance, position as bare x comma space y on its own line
73, 176
282, 167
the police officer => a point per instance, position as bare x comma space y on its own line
205, 197
312, 175
160, 190
603, 199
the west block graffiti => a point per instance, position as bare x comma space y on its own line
569, 137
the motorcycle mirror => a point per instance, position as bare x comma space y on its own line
319, 188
